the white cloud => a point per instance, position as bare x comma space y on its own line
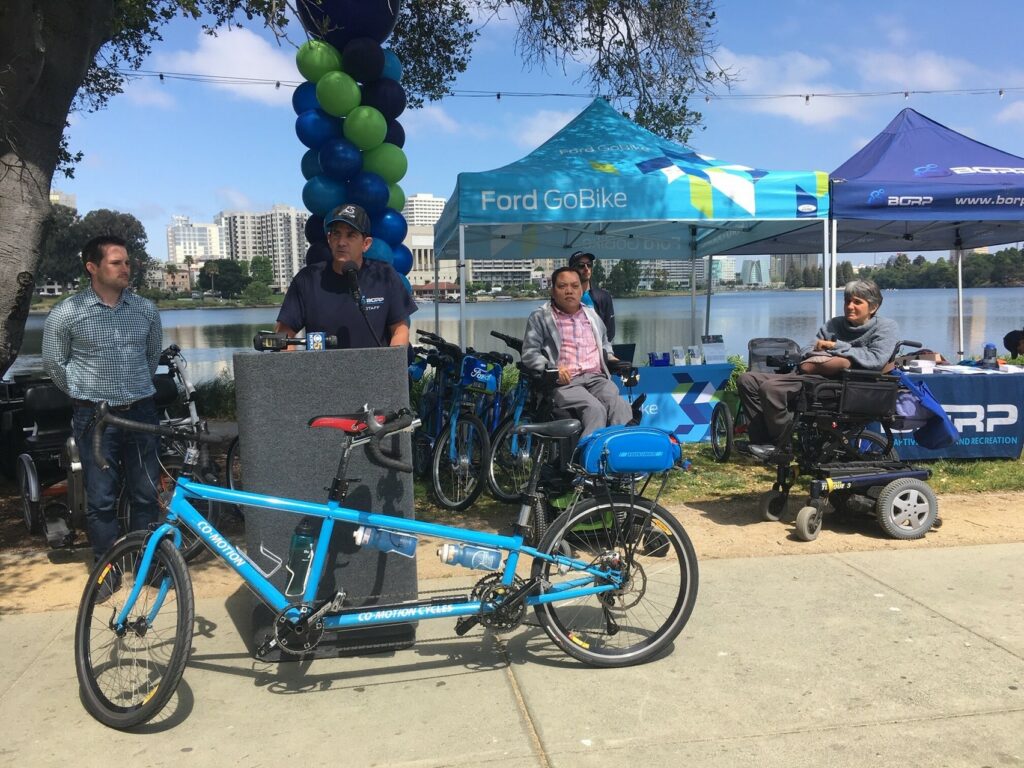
148, 92
431, 118
919, 70
537, 128
237, 53
232, 199
1011, 113
789, 77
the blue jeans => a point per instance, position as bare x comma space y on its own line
134, 462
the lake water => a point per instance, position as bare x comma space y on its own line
210, 337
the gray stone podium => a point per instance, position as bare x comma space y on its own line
277, 393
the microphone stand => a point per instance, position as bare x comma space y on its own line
350, 272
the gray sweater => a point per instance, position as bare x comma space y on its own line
867, 346
542, 343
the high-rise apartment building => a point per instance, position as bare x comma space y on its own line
63, 198
278, 234
780, 263
423, 210
203, 242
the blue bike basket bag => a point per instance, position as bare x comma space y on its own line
480, 376
627, 451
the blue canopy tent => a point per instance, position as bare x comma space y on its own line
605, 184
919, 185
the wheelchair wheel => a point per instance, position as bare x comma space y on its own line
720, 432
871, 445
808, 523
31, 511
772, 505
907, 508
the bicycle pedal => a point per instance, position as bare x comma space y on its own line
466, 623
269, 644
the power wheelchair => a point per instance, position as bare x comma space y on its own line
841, 437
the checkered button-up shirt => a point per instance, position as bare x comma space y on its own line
579, 351
96, 352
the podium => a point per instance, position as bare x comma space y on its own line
277, 393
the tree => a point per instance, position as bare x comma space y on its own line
793, 277
59, 57
624, 278
125, 226
261, 270
60, 250
189, 261
227, 273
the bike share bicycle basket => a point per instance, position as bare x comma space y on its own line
625, 450
480, 376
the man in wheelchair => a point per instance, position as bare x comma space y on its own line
569, 336
858, 339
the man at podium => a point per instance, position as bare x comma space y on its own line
361, 301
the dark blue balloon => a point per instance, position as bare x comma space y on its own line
370, 191
321, 194
402, 261
314, 127
363, 59
390, 226
304, 98
341, 159
379, 251
405, 282
318, 252
315, 229
386, 96
392, 65
395, 134
311, 164
339, 21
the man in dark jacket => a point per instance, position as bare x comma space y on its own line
598, 299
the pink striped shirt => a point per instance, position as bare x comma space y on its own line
579, 351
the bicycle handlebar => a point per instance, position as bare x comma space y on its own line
393, 422
105, 418
512, 341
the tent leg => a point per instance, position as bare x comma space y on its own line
693, 285
960, 302
462, 286
834, 254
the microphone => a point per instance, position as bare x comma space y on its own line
349, 273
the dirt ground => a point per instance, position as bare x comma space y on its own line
34, 578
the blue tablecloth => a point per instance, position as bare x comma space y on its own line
680, 397
985, 409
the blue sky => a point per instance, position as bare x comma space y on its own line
187, 148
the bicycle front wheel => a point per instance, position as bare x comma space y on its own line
510, 461
170, 468
639, 619
127, 676
459, 469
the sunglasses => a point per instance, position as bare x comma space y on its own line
587, 264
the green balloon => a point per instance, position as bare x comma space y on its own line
316, 58
396, 199
337, 93
387, 161
365, 127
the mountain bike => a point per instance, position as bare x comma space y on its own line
612, 582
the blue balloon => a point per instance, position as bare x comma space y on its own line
406, 283
321, 194
304, 98
392, 65
379, 251
363, 59
370, 191
315, 229
338, 21
314, 127
386, 96
311, 164
395, 134
318, 252
390, 226
403, 259
341, 159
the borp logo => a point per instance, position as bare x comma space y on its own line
981, 418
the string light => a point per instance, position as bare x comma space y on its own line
807, 100
906, 94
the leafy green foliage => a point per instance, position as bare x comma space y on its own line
980, 270
624, 279
261, 271
64, 234
225, 275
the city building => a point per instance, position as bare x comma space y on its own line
63, 198
423, 210
278, 234
201, 242
750, 272
779, 264
420, 240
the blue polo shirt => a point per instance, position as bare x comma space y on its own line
318, 299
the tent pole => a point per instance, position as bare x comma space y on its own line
834, 250
707, 304
437, 295
960, 300
693, 285
462, 285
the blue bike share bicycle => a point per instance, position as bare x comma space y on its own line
612, 581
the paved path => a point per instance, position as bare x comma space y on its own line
889, 658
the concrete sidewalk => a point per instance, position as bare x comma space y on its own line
888, 658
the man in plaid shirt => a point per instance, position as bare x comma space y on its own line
568, 335
103, 344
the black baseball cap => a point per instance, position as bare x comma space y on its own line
578, 255
350, 214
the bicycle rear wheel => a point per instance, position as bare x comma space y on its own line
634, 623
510, 461
458, 475
127, 677
170, 468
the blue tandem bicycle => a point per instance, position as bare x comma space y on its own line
612, 582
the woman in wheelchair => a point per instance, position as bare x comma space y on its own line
856, 339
